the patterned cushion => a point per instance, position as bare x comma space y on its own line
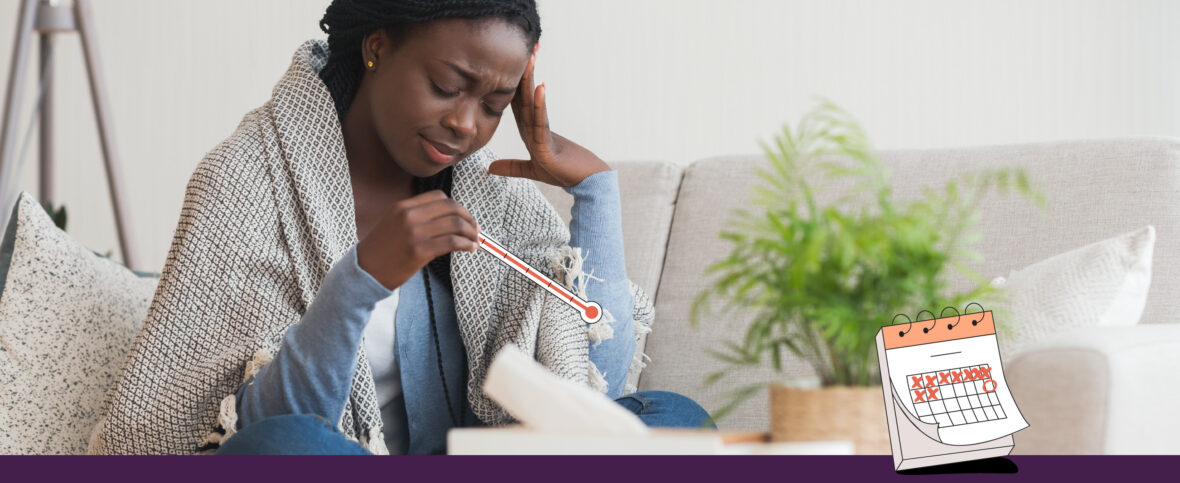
1099, 285
68, 318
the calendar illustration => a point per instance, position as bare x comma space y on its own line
946, 399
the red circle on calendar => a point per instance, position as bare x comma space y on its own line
993, 389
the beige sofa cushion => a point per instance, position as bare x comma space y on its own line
711, 189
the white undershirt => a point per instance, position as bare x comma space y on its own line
380, 344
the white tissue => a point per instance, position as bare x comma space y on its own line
545, 402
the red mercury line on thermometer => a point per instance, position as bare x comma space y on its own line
590, 311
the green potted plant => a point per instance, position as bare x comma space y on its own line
821, 278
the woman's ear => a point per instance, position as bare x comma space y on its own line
373, 47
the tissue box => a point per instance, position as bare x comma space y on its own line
518, 440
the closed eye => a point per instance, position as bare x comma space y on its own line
443, 93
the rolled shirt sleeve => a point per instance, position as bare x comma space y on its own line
596, 226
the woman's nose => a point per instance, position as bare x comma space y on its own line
461, 120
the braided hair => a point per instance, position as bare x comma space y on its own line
348, 22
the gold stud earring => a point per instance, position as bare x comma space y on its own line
370, 64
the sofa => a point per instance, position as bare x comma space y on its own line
1105, 390
1109, 390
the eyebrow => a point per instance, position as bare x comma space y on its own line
472, 77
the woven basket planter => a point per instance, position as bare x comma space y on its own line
840, 413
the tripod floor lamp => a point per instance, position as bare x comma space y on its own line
47, 18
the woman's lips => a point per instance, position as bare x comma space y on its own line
438, 154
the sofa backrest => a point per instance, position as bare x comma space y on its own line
1094, 190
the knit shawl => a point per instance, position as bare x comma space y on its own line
266, 214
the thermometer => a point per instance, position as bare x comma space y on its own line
590, 311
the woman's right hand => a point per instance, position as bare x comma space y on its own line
413, 232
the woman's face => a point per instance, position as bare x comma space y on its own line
447, 85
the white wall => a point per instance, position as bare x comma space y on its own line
674, 80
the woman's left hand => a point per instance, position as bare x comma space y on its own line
555, 160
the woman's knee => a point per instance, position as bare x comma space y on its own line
290, 434
667, 409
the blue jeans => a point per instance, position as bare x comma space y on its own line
312, 434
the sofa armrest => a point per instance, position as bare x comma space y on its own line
1109, 390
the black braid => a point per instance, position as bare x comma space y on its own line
438, 352
441, 266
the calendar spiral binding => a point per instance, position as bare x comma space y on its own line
934, 320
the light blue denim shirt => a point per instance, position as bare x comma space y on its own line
313, 370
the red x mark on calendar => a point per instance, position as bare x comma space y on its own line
920, 395
943, 376
985, 372
917, 381
957, 376
932, 394
930, 381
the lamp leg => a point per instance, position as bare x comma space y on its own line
16, 78
102, 116
45, 191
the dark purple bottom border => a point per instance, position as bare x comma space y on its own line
725, 469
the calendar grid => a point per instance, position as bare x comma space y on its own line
954, 397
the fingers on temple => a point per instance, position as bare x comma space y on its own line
541, 117
526, 86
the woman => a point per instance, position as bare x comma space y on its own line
322, 232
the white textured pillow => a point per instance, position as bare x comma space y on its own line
1102, 284
68, 318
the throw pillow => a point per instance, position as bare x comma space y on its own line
1101, 284
68, 318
